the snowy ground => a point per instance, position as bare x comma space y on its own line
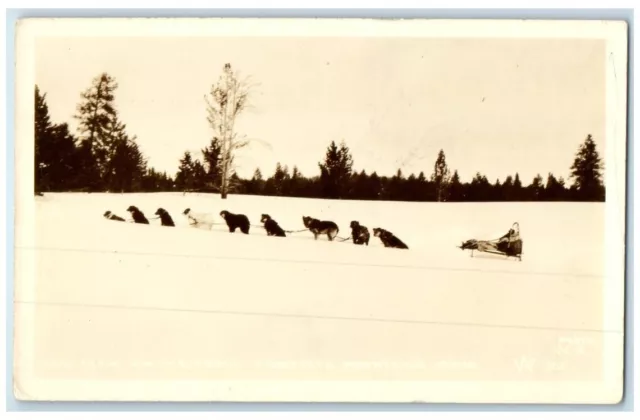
149, 301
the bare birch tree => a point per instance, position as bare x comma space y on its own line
226, 100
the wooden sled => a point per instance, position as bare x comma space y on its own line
509, 245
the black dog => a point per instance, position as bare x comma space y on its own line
236, 221
137, 215
111, 216
271, 226
165, 217
319, 227
389, 240
359, 234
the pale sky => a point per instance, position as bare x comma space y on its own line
494, 106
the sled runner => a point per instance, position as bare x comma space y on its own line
509, 245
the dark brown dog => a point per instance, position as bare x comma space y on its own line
236, 221
389, 240
359, 234
271, 226
137, 215
320, 227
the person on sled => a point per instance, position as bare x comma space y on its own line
509, 244
507, 239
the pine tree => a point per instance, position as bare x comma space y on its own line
184, 177
346, 161
128, 166
286, 182
410, 185
296, 182
395, 190
536, 189
279, 178
97, 122
480, 188
42, 133
496, 190
516, 181
124, 166
455, 188
516, 194
554, 189
374, 187
235, 184
507, 189
152, 181
55, 158
586, 172
423, 189
200, 176
212, 161
441, 177
60, 159
88, 172
256, 183
335, 171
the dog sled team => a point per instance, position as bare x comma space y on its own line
360, 234
509, 245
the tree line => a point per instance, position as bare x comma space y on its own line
103, 156
338, 180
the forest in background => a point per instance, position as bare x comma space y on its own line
103, 157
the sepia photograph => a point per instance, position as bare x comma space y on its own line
321, 210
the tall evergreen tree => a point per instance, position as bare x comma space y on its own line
586, 171
56, 165
410, 187
200, 177
279, 177
256, 183
424, 188
496, 190
516, 194
441, 177
124, 166
395, 189
359, 185
212, 160
506, 193
296, 182
59, 160
554, 189
480, 188
185, 176
235, 184
536, 189
374, 186
128, 166
335, 171
455, 188
42, 136
97, 122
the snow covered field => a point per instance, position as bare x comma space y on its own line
132, 301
